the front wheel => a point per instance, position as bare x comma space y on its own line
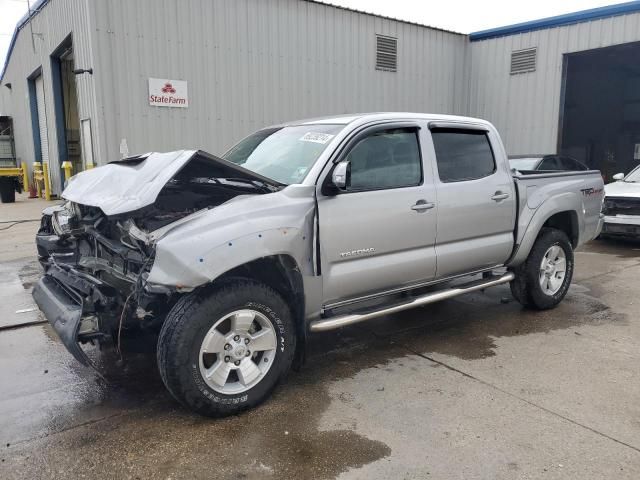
224, 350
543, 280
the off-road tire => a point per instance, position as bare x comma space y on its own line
188, 322
526, 288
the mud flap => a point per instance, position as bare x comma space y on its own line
63, 309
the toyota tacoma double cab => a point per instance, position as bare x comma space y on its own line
300, 228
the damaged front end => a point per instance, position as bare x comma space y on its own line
98, 248
94, 271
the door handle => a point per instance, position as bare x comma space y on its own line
422, 205
499, 196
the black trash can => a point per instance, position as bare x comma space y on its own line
7, 189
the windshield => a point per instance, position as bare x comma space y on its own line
528, 163
634, 176
283, 154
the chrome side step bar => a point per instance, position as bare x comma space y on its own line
339, 321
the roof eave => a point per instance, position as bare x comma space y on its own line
558, 21
35, 9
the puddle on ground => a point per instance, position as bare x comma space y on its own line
141, 429
618, 247
30, 273
16, 304
468, 326
133, 426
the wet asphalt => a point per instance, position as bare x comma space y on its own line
474, 387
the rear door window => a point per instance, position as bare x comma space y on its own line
462, 154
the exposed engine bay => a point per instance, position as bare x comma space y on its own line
96, 264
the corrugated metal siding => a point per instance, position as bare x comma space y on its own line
525, 108
5, 101
52, 25
251, 63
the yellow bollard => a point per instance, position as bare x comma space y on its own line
25, 177
47, 185
68, 169
89, 166
37, 177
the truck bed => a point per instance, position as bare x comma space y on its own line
540, 195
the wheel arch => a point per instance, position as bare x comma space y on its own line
566, 221
282, 273
559, 217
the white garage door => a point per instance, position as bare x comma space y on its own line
42, 119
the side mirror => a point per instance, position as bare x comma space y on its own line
340, 175
618, 176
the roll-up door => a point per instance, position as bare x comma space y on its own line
42, 119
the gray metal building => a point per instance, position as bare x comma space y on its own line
247, 63
569, 84
89, 81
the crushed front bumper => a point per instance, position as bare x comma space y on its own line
63, 309
67, 298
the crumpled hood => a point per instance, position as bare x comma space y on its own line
133, 183
124, 186
622, 189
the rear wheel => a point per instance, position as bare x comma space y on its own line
544, 279
224, 351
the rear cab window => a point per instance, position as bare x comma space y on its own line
552, 163
572, 164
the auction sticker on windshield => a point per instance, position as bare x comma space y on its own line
316, 137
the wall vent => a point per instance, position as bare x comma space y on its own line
386, 53
523, 61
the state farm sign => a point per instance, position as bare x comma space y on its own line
168, 93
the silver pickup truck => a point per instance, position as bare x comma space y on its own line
300, 228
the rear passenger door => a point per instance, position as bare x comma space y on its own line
475, 198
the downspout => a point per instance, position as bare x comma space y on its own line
467, 70
95, 118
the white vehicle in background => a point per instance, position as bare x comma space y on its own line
622, 205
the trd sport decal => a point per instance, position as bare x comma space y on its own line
587, 192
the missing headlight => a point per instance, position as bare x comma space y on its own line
65, 219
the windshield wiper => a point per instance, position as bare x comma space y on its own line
236, 182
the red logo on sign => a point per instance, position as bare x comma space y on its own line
168, 88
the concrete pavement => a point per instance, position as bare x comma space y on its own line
471, 388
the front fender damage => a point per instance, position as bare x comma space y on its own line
237, 233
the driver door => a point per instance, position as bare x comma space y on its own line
379, 231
